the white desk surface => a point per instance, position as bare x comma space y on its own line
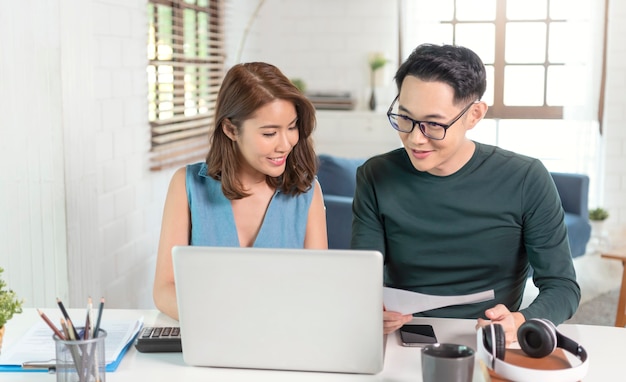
604, 344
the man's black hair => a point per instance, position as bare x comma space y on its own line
456, 66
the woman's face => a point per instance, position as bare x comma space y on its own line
266, 139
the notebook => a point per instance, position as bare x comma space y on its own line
282, 309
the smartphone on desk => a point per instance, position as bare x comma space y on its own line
417, 335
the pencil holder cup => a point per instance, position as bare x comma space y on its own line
81, 360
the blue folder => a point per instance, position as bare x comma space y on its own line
50, 366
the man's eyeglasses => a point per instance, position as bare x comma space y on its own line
432, 130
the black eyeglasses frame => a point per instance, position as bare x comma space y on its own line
422, 128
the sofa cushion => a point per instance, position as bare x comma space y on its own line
337, 175
338, 221
578, 232
574, 193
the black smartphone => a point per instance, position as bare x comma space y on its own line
417, 335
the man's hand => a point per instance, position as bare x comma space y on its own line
510, 321
393, 321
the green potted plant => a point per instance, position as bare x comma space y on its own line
9, 305
376, 62
598, 214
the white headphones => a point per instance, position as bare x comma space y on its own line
537, 338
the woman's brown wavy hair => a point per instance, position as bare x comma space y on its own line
245, 89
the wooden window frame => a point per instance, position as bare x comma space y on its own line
182, 104
499, 110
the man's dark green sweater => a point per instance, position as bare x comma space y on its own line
480, 228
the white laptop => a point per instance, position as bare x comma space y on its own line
283, 309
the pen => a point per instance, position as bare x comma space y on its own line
51, 325
96, 328
70, 326
50, 365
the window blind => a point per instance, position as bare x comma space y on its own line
185, 68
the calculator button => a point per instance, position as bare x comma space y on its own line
146, 332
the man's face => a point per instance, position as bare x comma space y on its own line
433, 102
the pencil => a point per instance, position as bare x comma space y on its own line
64, 326
96, 328
51, 325
73, 349
88, 323
90, 314
70, 326
87, 329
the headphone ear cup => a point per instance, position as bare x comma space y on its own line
500, 341
498, 338
537, 338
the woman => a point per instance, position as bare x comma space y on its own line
257, 187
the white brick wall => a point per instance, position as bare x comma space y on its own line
129, 196
97, 223
33, 245
615, 123
74, 139
326, 43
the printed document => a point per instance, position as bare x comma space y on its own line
407, 302
36, 348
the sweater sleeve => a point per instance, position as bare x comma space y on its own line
367, 227
545, 239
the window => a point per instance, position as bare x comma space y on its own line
186, 67
534, 50
545, 65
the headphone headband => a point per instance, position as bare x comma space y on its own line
488, 353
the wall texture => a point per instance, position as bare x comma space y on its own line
615, 124
33, 242
80, 210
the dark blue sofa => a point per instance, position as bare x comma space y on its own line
337, 176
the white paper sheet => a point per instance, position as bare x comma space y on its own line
407, 302
37, 346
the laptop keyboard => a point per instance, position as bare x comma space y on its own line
158, 340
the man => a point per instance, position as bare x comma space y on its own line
453, 216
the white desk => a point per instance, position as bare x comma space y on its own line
603, 344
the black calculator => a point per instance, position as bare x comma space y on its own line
159, 340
